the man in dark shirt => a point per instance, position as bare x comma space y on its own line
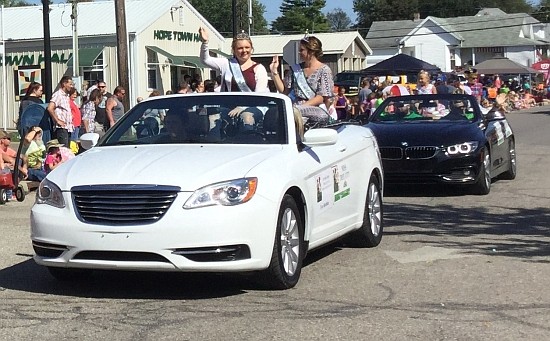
102, 124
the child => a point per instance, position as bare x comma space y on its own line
53, 158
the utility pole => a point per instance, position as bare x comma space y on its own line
47, 82
234, 9
122, 55
74, 18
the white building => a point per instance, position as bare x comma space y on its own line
452, 43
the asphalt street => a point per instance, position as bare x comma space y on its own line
451, 266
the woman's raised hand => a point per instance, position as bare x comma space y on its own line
274, 66
203, 34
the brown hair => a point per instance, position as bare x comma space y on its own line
313, 45
32, 88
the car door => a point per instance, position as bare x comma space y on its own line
336, 183
498, 132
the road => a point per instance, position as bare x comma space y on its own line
451, 266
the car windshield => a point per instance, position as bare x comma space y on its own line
427, 108
345, 77
205, 118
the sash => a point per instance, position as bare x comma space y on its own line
301, 81
238, 75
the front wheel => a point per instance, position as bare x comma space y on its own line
288, 248
370, 233
483, 184
20, 194
510, 174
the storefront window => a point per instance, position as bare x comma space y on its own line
152, 68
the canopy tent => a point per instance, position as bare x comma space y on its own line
543, 67
400, 64
503, 65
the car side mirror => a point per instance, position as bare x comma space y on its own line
320, 137
89, 140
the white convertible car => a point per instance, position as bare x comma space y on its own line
219, 182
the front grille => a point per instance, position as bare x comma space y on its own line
391, 153
421, 152
121, 256
123, 204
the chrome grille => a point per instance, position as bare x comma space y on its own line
123, 204
391, 153
421, 152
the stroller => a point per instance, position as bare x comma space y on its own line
33, 115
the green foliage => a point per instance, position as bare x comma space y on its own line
14, 3
219, 14
301, 15
338, 20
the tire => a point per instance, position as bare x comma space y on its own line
69, 274
370, 233
288, 248
20, 194
510, 174
483, 184
3, 196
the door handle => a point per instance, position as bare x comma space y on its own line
342, 148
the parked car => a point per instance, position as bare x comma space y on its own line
443, 139
350, 80
179, 185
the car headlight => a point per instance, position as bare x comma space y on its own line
461, 148
48, 193
228, 193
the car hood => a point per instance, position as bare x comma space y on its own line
425, 134
187, 166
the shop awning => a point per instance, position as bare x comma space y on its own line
189, 61
86, 56
220, 53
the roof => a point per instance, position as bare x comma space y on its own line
270, 45
493, 28
400, 64
94, 18
389, 33
502, 65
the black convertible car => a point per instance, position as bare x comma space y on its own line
443, 139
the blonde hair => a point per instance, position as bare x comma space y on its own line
241, 36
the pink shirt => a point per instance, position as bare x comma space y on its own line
63, 108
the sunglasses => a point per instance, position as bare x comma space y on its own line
104, 86
6, 137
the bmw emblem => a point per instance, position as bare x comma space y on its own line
404, 144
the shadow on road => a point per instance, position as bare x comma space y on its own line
519, 232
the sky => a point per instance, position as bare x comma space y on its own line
272, 7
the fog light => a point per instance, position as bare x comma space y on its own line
466, 172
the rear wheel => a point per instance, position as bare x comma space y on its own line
510, 174
483, 184
3, 196
288, 248
370, 233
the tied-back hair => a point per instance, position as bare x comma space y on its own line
313, 45
32, 88
241, 36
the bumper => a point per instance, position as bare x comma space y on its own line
215, 238
436, 170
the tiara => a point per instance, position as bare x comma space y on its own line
306, 37
242, 35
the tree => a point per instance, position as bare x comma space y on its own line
219, 14
338, 20
14, 3
301, 15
